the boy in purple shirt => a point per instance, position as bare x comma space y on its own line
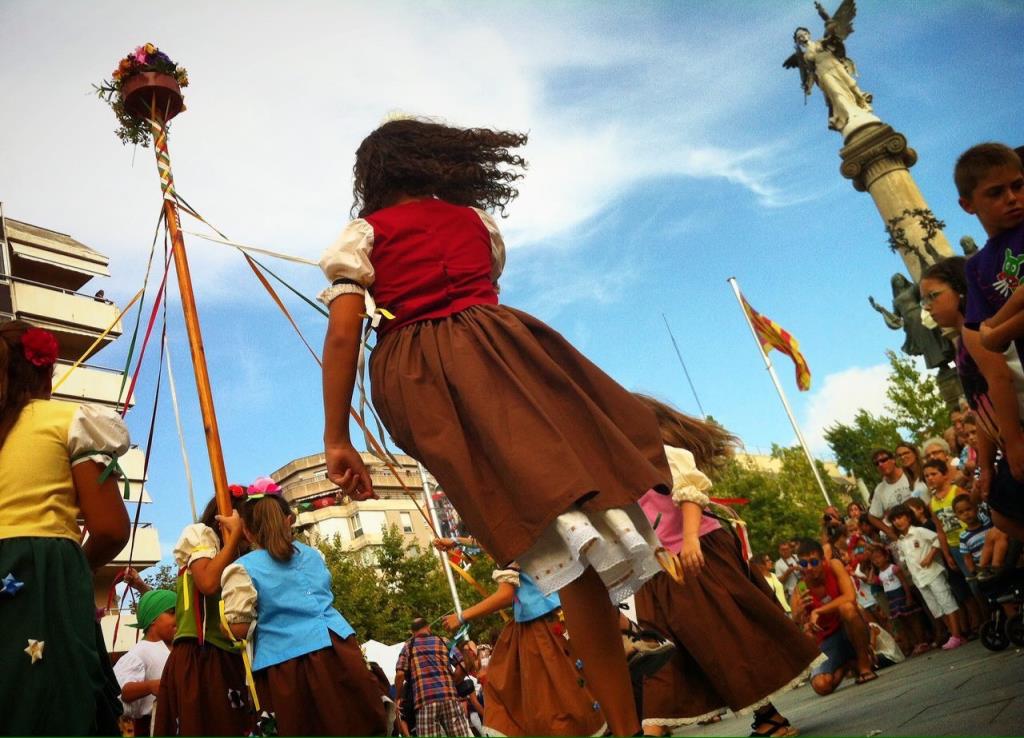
990, 180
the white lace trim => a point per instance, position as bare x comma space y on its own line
618, 543
749, 709
498, 734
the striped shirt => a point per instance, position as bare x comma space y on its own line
972, 541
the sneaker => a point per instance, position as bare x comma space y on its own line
952, 643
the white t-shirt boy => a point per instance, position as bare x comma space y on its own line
145, 661
914, 546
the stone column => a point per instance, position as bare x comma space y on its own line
877, 159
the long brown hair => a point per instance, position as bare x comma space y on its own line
20, 379
266, 519
710, 443
419, 158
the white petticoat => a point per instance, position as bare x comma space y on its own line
618, 543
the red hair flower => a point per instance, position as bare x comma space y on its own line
39, 347
237, 491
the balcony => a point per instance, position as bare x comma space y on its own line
147, 549
75, 319
88, 384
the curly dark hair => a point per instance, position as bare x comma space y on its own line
464, 166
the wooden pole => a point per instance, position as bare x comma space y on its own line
188, 306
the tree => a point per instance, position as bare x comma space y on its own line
853, 444
164, 576
381, 589
782, 505
915, 402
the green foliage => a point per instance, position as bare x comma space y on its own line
381, 589
164, 576
916, 411
853, 444
915, 402
784, 504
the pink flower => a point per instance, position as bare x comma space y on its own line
140, 54
264, 486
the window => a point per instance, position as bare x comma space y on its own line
357, 526
319, 476
406, 522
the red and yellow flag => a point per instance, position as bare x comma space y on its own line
771, 335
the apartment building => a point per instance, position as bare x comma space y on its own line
44, 280
322, 512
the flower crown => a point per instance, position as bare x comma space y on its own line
39, 347
262, 487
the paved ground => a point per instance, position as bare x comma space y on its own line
967, 691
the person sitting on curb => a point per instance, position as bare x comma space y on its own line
825, 603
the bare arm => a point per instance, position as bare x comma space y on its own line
846, 590
882, 526
1004, 399
1007, 324
502, 598
986, 464
207, 572
103, 512
132, 691
341, 352
690, 555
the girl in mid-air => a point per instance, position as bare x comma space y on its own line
543, 455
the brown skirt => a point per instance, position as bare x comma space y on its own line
736, 645
327, 692
534, 688
202, 692
516, 425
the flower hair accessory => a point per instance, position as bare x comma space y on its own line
237, 491
262, 487
39, 347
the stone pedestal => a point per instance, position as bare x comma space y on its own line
949, 387
877, 159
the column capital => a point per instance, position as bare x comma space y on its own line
873, 152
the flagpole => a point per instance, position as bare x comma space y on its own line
446, 564
782, 395
682, 363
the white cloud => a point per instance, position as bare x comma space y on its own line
282, 94
840, 396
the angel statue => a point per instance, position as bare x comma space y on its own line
826, 63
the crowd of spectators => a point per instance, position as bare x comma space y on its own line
906, 573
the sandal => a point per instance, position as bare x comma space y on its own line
867, 676
778, 725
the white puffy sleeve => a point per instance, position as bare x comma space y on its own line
346, 262
689, 484
98, 429
239, 594
506, 576
497, 244
197, 541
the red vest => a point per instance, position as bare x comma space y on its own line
430, 259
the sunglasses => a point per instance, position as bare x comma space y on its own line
806, 563
882, 459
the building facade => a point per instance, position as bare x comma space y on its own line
43, 278
323, 513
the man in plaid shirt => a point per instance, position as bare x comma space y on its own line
426, 661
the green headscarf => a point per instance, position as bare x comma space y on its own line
151, 605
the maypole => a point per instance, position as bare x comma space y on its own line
146, 94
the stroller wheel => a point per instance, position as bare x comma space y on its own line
1015, 629
993, 637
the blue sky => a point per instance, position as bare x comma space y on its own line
668, 151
